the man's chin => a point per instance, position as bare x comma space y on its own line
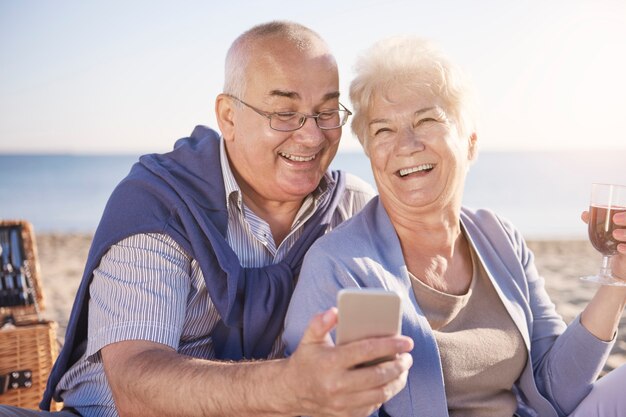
299, 188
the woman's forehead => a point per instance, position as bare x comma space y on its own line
405, 100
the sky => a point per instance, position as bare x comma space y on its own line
124, 76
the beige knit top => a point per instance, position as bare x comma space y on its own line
482, 351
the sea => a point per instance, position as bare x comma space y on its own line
542, 193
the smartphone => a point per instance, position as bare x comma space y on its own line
367, 312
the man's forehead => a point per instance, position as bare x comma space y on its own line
292, 74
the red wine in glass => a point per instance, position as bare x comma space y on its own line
606, 201
601, 228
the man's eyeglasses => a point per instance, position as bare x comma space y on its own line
288, 121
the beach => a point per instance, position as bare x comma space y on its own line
62, 257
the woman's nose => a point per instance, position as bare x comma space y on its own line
409, 141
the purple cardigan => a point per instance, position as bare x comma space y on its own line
365, 251
181, 194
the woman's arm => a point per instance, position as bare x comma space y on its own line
602, 315
566, 364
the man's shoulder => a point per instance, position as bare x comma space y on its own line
356, 228
356, 194
356, 184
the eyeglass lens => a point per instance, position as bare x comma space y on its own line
293, 121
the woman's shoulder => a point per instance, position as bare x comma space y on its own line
350, 233
484, 225
487, 219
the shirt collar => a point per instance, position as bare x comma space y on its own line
233, 192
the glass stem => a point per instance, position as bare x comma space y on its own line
605, 270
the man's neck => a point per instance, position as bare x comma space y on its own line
279, 215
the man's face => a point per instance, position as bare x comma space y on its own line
283, 166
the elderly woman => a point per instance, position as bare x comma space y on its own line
488, 341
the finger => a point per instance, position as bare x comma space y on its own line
367, 399
378, 375
319, 327
619, 235
375, 396
366, 350
585, 216
620, 218
618, 262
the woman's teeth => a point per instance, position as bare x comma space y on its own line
424, 167
297, 158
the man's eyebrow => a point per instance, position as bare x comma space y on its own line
283, 93
331, 96
294, 95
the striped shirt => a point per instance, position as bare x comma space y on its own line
147, 288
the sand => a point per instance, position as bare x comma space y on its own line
62, 258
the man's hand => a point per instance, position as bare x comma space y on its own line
323, 379
319, 379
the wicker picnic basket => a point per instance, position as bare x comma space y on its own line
28, 344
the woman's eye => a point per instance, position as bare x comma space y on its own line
426, 120
382, 130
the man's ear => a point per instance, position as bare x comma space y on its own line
473, 146
225, 114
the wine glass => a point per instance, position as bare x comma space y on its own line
606, 200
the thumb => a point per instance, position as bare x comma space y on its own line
585, 216
319, 327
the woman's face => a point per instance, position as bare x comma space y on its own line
418, 159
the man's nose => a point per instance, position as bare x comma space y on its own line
310, 131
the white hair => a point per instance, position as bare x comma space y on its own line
412, 63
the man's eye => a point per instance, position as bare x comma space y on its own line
285, 116
327, 115
426, 120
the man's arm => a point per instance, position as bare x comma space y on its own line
148, 378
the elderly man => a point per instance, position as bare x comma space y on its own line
193, 264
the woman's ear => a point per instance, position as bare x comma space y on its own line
225, 114
473, 146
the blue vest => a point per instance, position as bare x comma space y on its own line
181, 194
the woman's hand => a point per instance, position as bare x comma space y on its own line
618, 262
602, 315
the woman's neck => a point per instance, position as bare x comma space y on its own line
434, 247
